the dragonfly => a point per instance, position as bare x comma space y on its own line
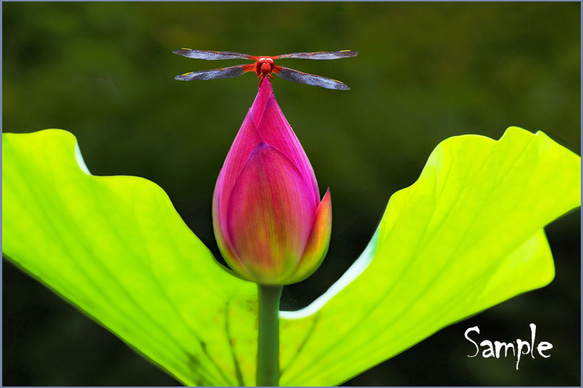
264, 67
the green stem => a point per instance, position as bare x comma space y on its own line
268, 342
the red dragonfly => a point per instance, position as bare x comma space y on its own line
264, 67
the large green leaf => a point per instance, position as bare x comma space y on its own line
466, 236
116, 248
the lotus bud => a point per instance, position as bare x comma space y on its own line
269, 222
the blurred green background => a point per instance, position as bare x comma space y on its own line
425, 71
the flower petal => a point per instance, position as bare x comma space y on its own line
243, 145
318, 242
269, 216
274, 129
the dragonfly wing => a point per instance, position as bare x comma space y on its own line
320, 55
310, 79
212, 55
225, 72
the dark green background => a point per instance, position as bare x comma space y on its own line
425, 71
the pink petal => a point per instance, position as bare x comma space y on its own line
244, 144
276, 131
270, 215
318, 242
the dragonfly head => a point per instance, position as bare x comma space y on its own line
264, 66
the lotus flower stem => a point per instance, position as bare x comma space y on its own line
268, 343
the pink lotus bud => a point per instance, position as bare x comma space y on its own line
268, 219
